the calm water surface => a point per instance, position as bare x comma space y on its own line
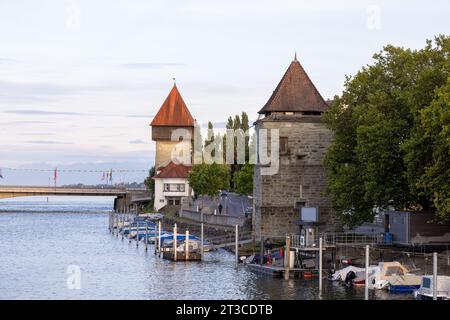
40, 242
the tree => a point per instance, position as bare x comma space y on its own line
208, 179
238, 123
243, 180
435, 125
381, 154
149, 182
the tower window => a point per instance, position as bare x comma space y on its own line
284, 145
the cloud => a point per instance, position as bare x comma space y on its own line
36, 134
137, 141
44, 112
151, 65
13, 123
3, 60
140, 116
46, 142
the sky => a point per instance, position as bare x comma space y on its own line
81, 80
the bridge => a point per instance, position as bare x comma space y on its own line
124, 197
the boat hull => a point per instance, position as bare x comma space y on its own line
403, 288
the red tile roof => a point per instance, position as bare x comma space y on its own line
173, 111
295, 93
173, 170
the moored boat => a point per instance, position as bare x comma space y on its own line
425, 291
352, 275
395, 277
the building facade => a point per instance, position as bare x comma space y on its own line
173, 132
294, 109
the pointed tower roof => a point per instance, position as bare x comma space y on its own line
295, 93
173, 111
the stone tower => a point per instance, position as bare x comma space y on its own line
173, 160
172, 115
294, 109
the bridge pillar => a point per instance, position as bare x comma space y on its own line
122, 203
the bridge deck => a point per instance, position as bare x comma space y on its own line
23, 191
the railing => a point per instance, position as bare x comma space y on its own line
337, 238
229, 239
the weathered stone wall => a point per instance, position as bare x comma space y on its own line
301, 178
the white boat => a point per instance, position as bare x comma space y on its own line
353, 275
425, 292
394, 277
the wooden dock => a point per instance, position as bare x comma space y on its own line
193, 256
278, 271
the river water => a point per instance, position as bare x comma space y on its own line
61, 249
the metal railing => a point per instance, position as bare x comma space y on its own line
337, 238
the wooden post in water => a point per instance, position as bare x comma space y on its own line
320, 265
236, 248
201, 240
435, 277
123, 228
288, 257
137, 234
186, 250
261, 252
129, 231
366, 289
175, 242
117, 225
201, 236
154, 238
159, 236
146, 237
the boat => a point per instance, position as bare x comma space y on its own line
352, 275
394, 277
133, 230
166, 240
425, 291
153, 236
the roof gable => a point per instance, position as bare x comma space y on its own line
173, 111
173, 170
295, 93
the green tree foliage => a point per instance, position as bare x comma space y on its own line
243, 180
208, 179
149, 182
238, 123
435, 179
390, 134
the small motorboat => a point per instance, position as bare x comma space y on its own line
425, 291
131, 232
352, 275
395, 277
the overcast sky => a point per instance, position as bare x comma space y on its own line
81, 80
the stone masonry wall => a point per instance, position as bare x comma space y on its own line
301, 178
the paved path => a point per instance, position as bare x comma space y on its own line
233, 205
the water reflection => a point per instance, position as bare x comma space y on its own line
39, 241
